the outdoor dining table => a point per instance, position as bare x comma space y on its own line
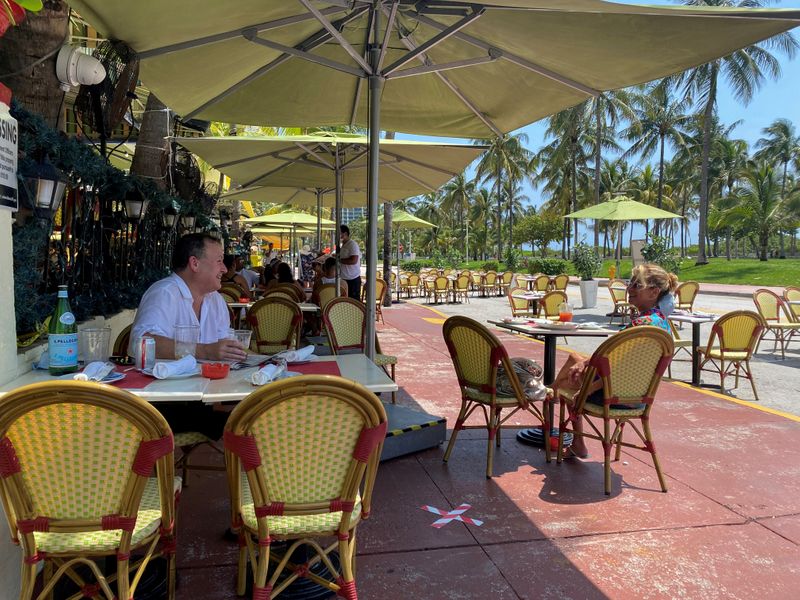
532, 298
234, 387
534, 435
696, 320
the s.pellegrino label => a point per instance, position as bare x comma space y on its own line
62, 337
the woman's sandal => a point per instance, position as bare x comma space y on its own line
570, 453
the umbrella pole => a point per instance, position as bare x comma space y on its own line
397, 276
619, 247
319, 216
375, 85
338, 210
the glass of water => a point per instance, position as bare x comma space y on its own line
242, 336
186, 339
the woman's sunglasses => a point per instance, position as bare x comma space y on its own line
638, 285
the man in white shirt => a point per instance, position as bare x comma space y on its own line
270, 255
350, 261
189, 297
252, 277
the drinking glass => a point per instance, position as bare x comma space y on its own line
565, 311
186, 338
94, 343
242, 336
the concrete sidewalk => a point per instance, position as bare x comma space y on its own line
729, 527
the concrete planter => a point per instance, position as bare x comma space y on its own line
588, 293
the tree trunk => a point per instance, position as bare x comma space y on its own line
499, 216
707, 114
763, 242
598, 116
36, 88
387, 244
657, 225
150, 158
728, 243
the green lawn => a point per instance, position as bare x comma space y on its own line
743, 271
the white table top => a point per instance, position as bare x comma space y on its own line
692, 318
534, 330
792, 302
355, 367
529, 295
308, 307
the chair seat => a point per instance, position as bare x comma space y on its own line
789, 326
190, 438
717, 353
385, 359
596, 410
474, 394
682, 343
295, 525
147, 523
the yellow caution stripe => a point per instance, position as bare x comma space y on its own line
410, 428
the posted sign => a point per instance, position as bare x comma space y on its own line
8, 159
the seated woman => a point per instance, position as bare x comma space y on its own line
283, 274
649, 285
231, 276
328, 277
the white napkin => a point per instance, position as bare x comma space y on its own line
294, 356
163, 370
94, 371
267, 373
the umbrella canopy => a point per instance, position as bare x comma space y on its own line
403, 220
450, 68
289, 219
622, 209
300, 196
311, 162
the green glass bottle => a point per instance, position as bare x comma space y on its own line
62, 338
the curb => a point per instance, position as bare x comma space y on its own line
738, 293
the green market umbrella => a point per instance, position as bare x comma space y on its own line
437, 68
621, 209
292, 220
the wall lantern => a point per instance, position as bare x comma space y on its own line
135, 205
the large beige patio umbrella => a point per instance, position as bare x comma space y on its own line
440, 68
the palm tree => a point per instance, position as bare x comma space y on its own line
480, 214
608, 109
457, 196
760, 204
781, 144
514, 200
505, 157
659, 118
746, 70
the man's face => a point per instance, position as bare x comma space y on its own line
209, 269
345, 236
270, 247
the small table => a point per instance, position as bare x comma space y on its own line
549, 335
696, 321
532, 298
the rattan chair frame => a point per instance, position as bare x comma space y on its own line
489, 405
288, 289
792, 293
326, 293
411, 285
380, 293
686, 294
228, 295
770, 307
549, 303
19, 498
244, 425
680, 344
504, 282
461, 288
520, 307
541, 283
739, 367
232, 290
488, 283
271, 334
560, 282
123, 341
618, 290
440, 288
599, 365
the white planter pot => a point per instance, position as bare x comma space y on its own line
588, 293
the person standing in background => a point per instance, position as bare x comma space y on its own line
350, 261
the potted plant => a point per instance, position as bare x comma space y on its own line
587, 264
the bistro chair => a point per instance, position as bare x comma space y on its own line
541, 283
560, 282
476, 354
461, 288
233, 291
792, 294
380, 293
549, 304
733, 340
520, 307
630, 366
290, 290
327, 292
475, 281
411, 286
346, 326
488, 283
276, 323
679, 344
302, 455
777, 318
441, 288
228, 294
504, 282
685, 295
623, 309
76, 482
122, 343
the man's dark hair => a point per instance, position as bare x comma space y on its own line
330, 262
228, 260
344, 229
191, 244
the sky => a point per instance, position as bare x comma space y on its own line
775, 99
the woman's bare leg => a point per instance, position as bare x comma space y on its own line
564, 380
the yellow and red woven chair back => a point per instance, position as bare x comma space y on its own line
380, 290
490, 278
229, 295
541, 283
507, 277
276, 324
769, 306
440, 283
122, 342
327, 293
517, 303
291, 290
309, 445
346, 324
792, 294
631, 365
560, 282
75, 457
737, 331
686, 294
413, 280
550, 303
462, 283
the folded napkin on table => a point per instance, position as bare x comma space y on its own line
163, 370
268, 373
293, 356
94, 371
